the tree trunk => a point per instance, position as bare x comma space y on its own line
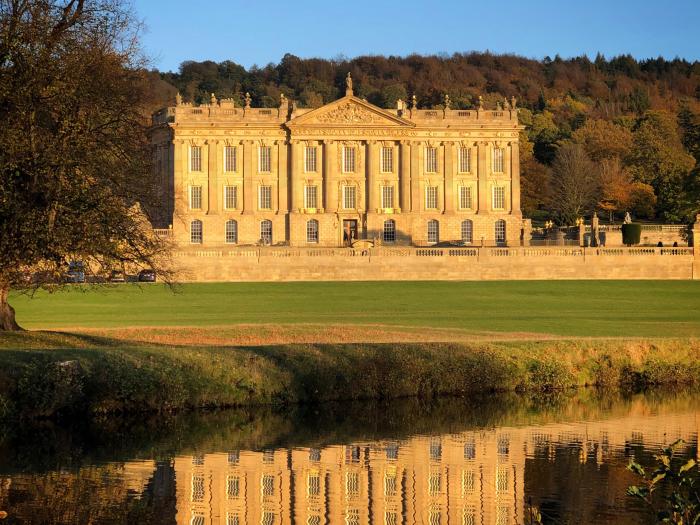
7, 313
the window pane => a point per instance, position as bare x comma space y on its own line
266, 232
311, 197
433, 232
431, 193
264, 165
464, 160
231, 232
230, 158
230, 197
195, 158
389, 231
196, 232
499, 197
467, 231
387, 196
312, 231
348, 159
196, 197
498, 160
265, 198
465, 197
310, 159
500, 230
387, 160
431, 160
349, 197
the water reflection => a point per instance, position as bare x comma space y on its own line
445, 462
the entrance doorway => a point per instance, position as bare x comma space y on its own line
349, 231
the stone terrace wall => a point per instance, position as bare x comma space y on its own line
404, 263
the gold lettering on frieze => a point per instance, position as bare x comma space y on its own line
392, 132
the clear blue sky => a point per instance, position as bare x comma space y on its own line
258, 32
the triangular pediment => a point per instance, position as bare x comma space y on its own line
349, 111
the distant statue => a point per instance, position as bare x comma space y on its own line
498, 106
400, 105
481, 103
506, 104
595, 230
414, 102
513, 102
348, 85
178, 99
447, 101
248, 100
213, 100
283, 100
628, 218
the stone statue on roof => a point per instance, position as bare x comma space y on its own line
348, 85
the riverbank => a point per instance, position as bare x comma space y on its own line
44, 374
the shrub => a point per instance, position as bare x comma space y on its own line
631, 233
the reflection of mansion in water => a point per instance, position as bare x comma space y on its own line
474, 477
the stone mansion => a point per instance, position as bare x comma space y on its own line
337, 174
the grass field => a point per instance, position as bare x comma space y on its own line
367, 311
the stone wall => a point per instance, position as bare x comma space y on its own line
408, 263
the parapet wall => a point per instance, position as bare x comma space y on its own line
458, 264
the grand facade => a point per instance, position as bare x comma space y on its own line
338, 174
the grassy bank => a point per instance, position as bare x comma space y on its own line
43, 373
524, 309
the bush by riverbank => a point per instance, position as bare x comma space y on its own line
44, 374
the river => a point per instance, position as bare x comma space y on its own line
439, 462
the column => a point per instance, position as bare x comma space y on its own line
372, 190
405, 176
295, 178
482, 174
282, 177
213, 178
330, 186
179, 168
515, 178
248, 167
449, 177
417, 203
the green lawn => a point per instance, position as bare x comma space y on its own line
564, 308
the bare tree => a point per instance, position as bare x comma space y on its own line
75, 162
575, 183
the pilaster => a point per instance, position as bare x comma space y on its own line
213, 178
330, 187
248, 170
515, 178
405, 176
449, 177
296, 177
371, 164
417, 204
482, 174
282, 177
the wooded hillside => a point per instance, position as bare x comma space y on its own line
631, 127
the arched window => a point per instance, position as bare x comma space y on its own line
312, 231
196, 232
500, 231
467, 231
390, 231
433, 231
266, 232
231, 232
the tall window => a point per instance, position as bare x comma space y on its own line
499, 198
465, 155
230, 197
431, 160
195, 158
265, 160
498, 154
389, 231
231, 232
233, 487
431, 197
310, 159
500, 231
265, 198
387, 164
467, 231
348, 159
433, 231
266, 232
387, 196
311, 197
195, 197
465, 197
196, 232
312, 231
349, 198
230, 158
